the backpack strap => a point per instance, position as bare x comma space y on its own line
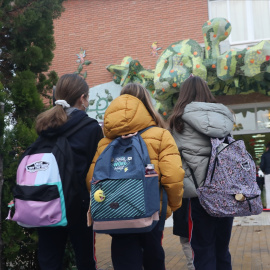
163, 208
145, 156
193, 177
191, 172
82, 123
164, 196
143, 130
30, 149
68, 133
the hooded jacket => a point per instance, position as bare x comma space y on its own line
83, 143
127, 114
201, 121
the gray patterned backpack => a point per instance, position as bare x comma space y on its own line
230, 187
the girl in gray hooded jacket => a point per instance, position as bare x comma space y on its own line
197, 117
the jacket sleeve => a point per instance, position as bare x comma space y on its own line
262, 164
96, 136
172, 174
101, 146
84, 144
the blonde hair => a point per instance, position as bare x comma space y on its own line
142, 94
70, 87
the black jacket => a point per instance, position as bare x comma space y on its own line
265, 162
83, 143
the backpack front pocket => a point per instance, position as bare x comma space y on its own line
224, 204
124, 199
37, 206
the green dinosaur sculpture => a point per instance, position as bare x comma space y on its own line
233, 72
132, 71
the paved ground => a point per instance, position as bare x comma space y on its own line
250, 245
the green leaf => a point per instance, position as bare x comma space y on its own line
87, 62
91, 102
80, 67
109, 98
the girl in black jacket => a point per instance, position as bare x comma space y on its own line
71, 101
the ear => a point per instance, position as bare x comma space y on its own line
82, 98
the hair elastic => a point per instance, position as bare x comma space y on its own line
62, 102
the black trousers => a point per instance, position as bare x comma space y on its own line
52, 242
135, 251
210, 238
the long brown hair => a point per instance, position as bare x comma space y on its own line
142, 94
193, 89
70, 87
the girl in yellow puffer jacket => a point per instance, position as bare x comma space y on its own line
133, 111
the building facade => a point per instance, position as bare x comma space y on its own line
110, 30
250, 22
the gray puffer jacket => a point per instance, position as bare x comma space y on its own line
201, 121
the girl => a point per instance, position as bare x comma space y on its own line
197, 117
180, 228
133, 111
71, 101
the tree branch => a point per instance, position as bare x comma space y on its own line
22, 8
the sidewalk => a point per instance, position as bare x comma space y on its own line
249, 246
260, 220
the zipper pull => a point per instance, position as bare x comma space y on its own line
94, 181
10, 205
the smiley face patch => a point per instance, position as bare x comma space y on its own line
99, 196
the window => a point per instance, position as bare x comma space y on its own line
244, 119
250, 20
255, 144
263, 118
250, 118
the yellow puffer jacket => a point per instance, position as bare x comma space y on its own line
127, 114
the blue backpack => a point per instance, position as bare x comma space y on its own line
47, 192
124, 198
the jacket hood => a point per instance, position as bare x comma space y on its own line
211, 119
75, 117
126, 114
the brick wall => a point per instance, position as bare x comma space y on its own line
109, 30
